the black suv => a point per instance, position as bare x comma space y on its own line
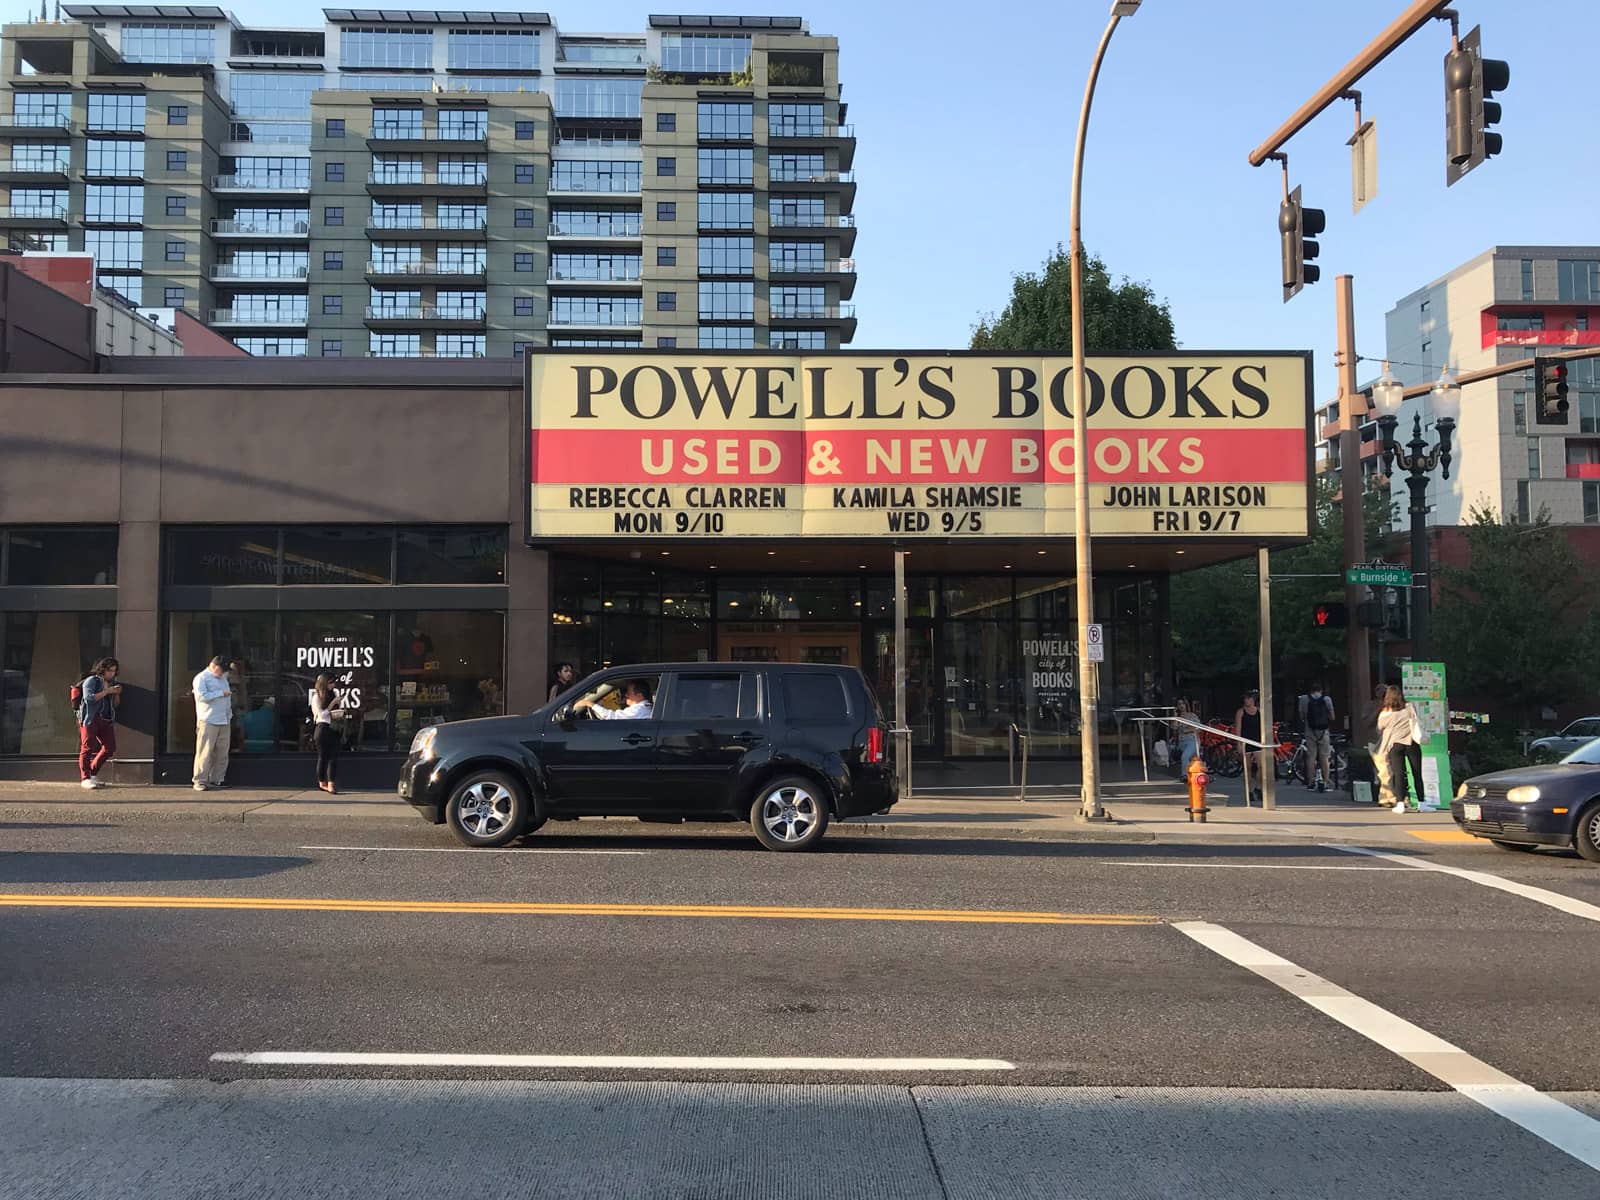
783, 746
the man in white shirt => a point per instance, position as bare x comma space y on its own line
637, 707
213, 710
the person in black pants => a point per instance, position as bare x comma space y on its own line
323, 733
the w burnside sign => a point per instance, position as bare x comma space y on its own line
852, 445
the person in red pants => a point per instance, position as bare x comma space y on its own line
97, 722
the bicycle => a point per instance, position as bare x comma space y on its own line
1220, 754
1300, 766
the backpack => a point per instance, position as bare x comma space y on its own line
1317, 713
76, 695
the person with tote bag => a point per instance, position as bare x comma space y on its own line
1400, 739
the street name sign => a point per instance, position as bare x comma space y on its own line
1378, 575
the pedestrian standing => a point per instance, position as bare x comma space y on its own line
563, 679
97, 722
1400, 739
1247, 724
213, 713
324, 734
1316, 717
1369, 739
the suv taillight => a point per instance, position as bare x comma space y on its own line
875, 744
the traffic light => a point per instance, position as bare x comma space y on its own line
1550, 391
1469, 81
1330, 615
1296, 227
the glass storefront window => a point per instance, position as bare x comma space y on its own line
248, 638
449, 666
980, 686
452, 556
314, 555
1047, 684
920, 595
46, 556
789, 599
978, 597
42, 654
352, 648
223, 557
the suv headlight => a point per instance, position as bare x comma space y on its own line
422, 744
1523, 795
1462, 790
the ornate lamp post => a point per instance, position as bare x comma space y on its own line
1418, 459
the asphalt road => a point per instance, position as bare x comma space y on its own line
1078, 975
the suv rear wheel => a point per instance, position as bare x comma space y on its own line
789, 813
487, 808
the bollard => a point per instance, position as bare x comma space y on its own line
1198, 779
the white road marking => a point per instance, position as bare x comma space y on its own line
608, 1062
1251, 866
469, 850
1545, 1117
1576, 908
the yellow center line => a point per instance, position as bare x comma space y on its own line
499, 907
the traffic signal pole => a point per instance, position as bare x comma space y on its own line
1352, 407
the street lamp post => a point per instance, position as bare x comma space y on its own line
1088, 676
1418, 459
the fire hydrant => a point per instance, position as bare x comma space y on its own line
1198, 779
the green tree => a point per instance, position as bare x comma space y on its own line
1118, 317
1518, 625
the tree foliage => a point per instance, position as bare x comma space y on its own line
1519, 624
1118, 317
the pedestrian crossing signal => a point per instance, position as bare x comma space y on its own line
1330, 615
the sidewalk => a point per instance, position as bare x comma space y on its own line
1139, 812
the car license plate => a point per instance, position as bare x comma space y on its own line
1472, 812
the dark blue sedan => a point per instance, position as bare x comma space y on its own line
1529, 807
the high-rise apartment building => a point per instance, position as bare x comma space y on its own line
1507, 304
422, 183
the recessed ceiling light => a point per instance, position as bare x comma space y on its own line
665, 553
668, 600
607, 604
1180, 552
770, 553
733, 604
1131, 567
1008, 566
862, 567
1044, 552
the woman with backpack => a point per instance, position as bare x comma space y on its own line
1400, 738
323, 734
97, 698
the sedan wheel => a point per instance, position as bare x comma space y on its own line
1586, 838
789, 814
487, 809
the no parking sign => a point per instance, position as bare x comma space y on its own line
1097, 643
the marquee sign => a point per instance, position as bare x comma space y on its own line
848, 445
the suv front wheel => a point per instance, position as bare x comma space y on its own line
487, 808
789, 813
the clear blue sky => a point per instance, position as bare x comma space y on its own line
964, 116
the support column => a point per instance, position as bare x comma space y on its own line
902, 730
138, 643
1269, 774
1352, 408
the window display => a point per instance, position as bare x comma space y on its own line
41, 656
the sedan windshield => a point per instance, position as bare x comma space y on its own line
1587, 755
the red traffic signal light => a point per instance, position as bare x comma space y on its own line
1550, 391
1330, 615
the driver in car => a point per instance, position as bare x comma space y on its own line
637, 696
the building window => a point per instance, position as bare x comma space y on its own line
493, 49
44, 652
666, 343
666, 122
332, 347
394, 345
583, 175
523, 218
333, 127
1519, 412
177, 114
727, 166
524, 173
1425, 307
464, 124
39, 202
722, 121
1521, 323
593, 267
666, 301
333, 260
1578, 280
666, 210
608, 99
116, 159
518, 349
726, 210
1591, 503
187, 42
385, 47
705, 53
177, 206
800, 339
666, 256
524, 131
1427, 347
177, 160
524, 260
332, 214
522, 306
115, 249
728, 301
1524, 502
333, 172
172, 297
727, 256
116, 112
666, 166
176, 252
1583, 380
794, 120
332, 305
595, 310
1527, 279
727, 337
1533, 458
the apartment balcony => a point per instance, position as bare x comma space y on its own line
258, 318
842, 316
1542, 337
420, 354
426, 139
834, 270
611, 234
35, 170
254, 273
408, 228
33, 216
599, 187
250, 185
606, 322
272, 231
433, 316
826, 135
14, 124
604, 277
1583, 470
428, 183
840, 182
427, 271
841, 224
